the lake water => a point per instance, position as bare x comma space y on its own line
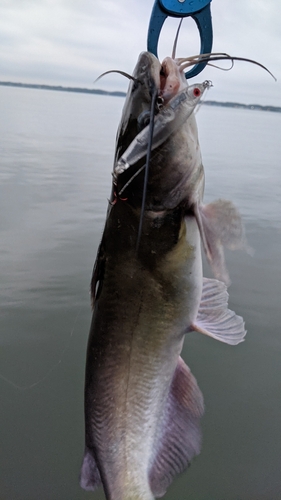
56, 153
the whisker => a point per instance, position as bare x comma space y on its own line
195, 58
186, 65
201, 58
123, 73
176, 39
219, 67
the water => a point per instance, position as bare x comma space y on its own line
56, 158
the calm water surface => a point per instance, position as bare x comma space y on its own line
56, 154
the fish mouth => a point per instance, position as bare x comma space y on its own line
167, 78
172, 79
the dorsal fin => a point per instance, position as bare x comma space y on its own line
220, 226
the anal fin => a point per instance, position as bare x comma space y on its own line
214, 318
180, 438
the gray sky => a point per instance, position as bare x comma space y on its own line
70, 42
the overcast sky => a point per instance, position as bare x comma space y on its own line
70, 42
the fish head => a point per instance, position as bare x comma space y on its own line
159, 90
136, 110
149, 76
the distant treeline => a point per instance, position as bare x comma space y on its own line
63, 89
276, 109
116, 93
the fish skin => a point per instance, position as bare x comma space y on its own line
142, 404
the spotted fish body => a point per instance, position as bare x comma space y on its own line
142, 404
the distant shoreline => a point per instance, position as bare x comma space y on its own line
117, 93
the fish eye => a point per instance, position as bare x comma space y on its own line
143, 69
143, 120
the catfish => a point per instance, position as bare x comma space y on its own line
142, 404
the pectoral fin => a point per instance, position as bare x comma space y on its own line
220, 226
214, 318
180, 436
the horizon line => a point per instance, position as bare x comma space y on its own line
117, 93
